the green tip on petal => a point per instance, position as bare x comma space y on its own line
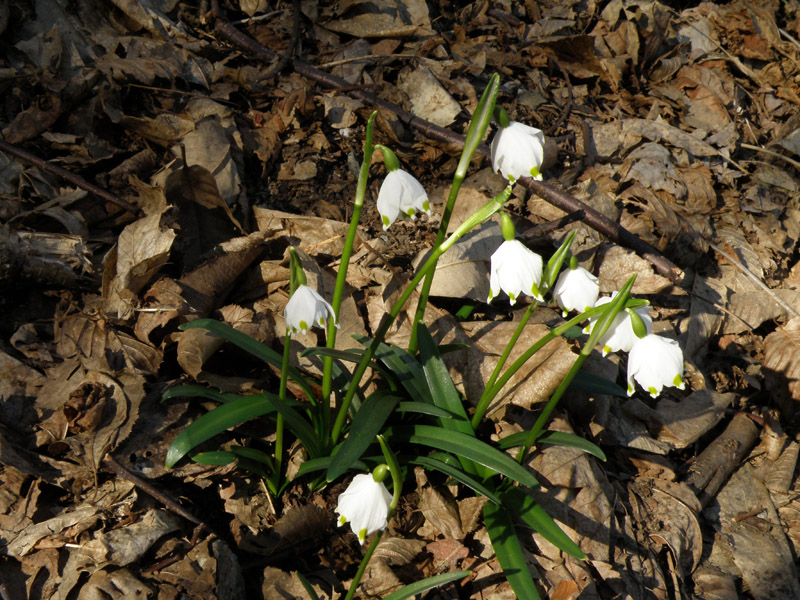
678, 381
426, 206
385, 220
630, 389
342, 520
535, 171
606, 350
653, 392
362, 535
535, 291
411, 212
303, 326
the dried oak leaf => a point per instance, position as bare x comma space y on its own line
782, 362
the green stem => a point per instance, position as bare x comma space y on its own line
482, 404
278, 473
483, 213
341, 276
477, 129
609, 311
363, 566
541, 420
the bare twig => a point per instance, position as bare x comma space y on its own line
68, 176
150, 489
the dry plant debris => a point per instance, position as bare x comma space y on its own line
157, 161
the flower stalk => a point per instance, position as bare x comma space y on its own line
341, 276
477, 129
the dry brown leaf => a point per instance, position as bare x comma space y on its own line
429, 100
101, 347
197, 184
670, 513
782, 364
198, 292
142, 249
381, 18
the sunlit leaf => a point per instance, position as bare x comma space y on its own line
418, 587
368, 423
536, 517
508, 550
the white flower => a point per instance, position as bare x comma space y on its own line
401, 194
620, 335
365, 504
515, 269
576, 289
518, 150
305, 309
655, 362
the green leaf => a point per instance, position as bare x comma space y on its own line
403, 366
570, 440
307, 586
197, 391
535, 516
322, 463
368, 422
595, 384
418, 587
296, 424
215, 457
508, 550
218, 420
254, 455
468, 447
444, 393
554, 438
424, 409
457, 474
248, 344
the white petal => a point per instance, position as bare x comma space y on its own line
305, 309
655, 362
516, 150
401, 195
515, 269
576, 289
365, 504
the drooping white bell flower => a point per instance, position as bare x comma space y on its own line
365, 504
576, 289
655, 362
305, 309
517, 151
620, 335
401, 195
515, 269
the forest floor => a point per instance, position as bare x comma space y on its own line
157, 163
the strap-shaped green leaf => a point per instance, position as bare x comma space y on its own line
535, 516
424, 408
216, 421
368, 422
296, 424
468, 447
215, 457
444, 393
596, 384
508, 550
248, 344
457, 474
423, 585
554, 438
197, 391
314, 465
403, 366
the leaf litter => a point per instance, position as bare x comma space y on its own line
679, 125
